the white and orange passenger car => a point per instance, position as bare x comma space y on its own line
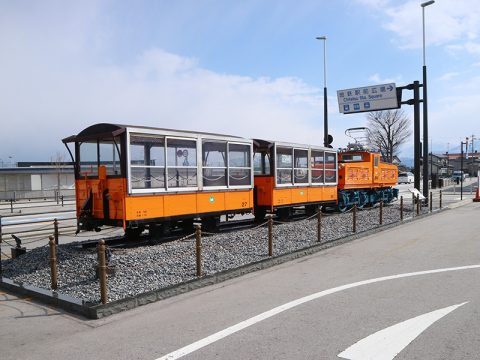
148, 178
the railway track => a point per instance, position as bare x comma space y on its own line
121, 241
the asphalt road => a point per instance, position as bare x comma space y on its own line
330, 306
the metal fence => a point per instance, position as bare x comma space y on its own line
16, 195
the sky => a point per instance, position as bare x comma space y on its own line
248, 68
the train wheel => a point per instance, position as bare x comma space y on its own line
211, 224
362, 200
187, 225
311, 209
260, 213
284, 213
159, 231
133, 233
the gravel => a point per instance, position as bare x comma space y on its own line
145, 268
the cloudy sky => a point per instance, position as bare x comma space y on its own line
250, 68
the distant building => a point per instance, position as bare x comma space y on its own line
471, 162
35, 179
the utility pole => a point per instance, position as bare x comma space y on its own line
461, 167
473, 156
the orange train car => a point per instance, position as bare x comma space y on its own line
149, 178
363, 179
157, 179
288, 175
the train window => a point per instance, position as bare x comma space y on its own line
109, 157
284, 165
147, 162
300, 166
261, 163
284, 157
352, 157
214, 160
330, 167
375, 161
181, 163
317, 166
88, 159
238, 155
239, 170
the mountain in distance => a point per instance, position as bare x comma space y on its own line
407, 161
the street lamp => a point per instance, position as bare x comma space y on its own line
325, 110
461, 165
425, 106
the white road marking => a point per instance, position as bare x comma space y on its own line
279, 309
387, 343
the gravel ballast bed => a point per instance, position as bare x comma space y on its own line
147, 268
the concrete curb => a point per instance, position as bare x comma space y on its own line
96, 311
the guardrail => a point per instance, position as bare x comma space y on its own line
16, 195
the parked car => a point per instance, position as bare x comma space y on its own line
405, 178
459, 175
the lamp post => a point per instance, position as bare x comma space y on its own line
325, 109
425, 107
461, 167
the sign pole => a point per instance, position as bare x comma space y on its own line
416, 134
425, 135
325, 117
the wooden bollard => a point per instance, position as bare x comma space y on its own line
418, 205
102, 271
55, 230
413, 202
53, 262
198, 249
431, 201
401, 208
270, 236
319, 226
440, 199
381, 212
354, 218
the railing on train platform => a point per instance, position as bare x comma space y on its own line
33, 195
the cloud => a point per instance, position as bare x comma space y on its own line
160, 89
58, 77
447, 21
376, 79
448, 76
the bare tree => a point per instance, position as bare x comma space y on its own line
58, 161
388, 130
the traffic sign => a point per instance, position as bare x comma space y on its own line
368, 98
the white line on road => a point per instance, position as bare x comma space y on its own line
279, 309
387, 343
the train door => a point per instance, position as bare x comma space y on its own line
100, 183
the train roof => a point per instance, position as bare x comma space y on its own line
103, 130
267, 144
